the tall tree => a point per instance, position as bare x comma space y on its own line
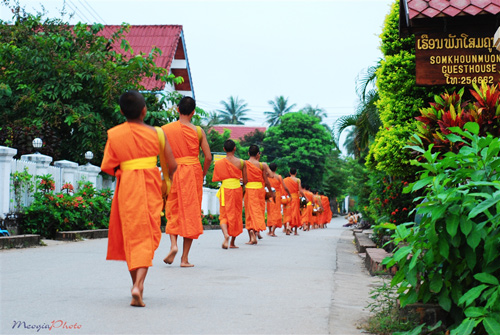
68, 78
300, 141
233, 111
366, 123
317, 112
212, 119
280, 108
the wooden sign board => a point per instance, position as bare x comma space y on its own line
459, 57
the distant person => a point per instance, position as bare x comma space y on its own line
255, 194
295, 188
274, 216
230, 171
183, 207
134, 226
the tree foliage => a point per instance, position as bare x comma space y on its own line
300, 141
451, 257
234, 111
70, 78
399, 99
280, 107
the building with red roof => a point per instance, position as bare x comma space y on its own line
237, 131
170, 40
415, 14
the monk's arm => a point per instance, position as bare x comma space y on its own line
244, 173
206, 152
301, 190
264, 174
286, 188
169, 156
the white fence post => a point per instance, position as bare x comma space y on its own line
91, 171
6, 155
68, 172
42, 162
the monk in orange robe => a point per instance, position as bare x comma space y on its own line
255, 194
306, 214
183, 207
229, 171
327, 212
134, 225
274, 216
295, 188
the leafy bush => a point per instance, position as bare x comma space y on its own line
51, 212
452, 257
449, 110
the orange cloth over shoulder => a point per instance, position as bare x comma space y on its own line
183, 207
134, 225
327, 210
255, 200
293, 187
274, 208
231, 213
307, 216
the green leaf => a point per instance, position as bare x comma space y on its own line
444, 248
474, 239
452, 225
471, 295
474, 312
465, 328
444, 300
436, 283
472, 127
487, 278
483, 206
491, 326
465, 225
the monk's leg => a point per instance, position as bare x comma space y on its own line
249, 237
270, 232
173, 250
257, 233
223, 227
233, 246
138, 288
185, 253
253, 238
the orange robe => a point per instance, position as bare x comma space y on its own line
274, 208
134, 224
255, 200
327, 213
293, 187
306, 216
231, 211
183, 207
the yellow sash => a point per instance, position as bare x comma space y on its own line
139, 163
230, 183
188, 160
254, 185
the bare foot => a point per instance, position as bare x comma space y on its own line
137, 298
232, 246
171, 255
226, 241
186, 265
295, 234
273, 235
259, 236
249, 242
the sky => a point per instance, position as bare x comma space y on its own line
309, 51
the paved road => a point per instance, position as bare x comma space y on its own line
308, 284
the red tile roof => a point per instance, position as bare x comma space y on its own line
440, 8
237, 131
145, 38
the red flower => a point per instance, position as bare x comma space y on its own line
60, 196
393, 213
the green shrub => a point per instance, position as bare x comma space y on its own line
51, 212
451, 257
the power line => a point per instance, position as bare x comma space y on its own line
80, 13
102, 20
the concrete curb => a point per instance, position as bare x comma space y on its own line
19, 241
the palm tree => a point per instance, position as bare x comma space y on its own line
234, 111
280, 108
318, 112
365, 123
212, 119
